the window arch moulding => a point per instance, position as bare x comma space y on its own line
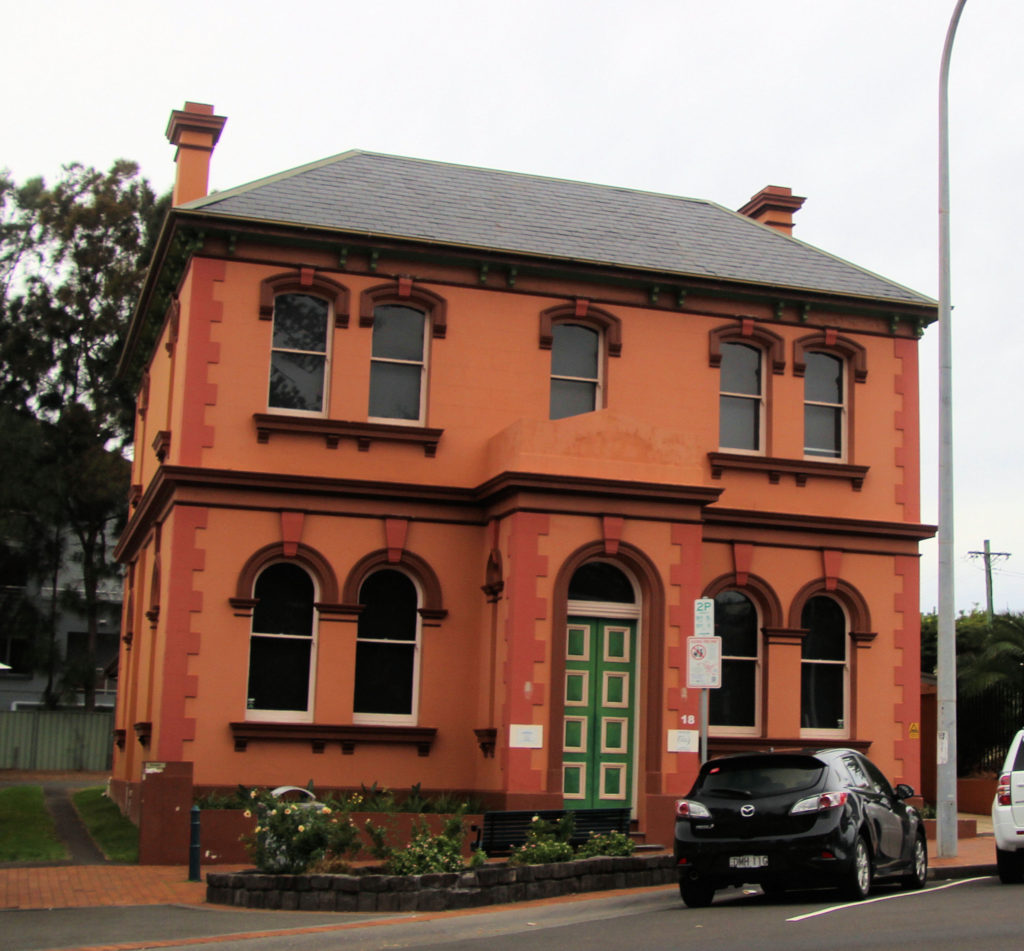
754, 587
745, 330
243, 602
582, 312
407, 293
304, 281
432, 611
847, 595
831, 342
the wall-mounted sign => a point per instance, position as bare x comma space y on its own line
526, 736
684, 741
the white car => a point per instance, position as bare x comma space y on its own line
1008, 814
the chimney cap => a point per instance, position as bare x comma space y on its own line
195, 117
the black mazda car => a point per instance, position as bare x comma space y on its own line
796, 820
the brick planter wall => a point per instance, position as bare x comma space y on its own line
472, 888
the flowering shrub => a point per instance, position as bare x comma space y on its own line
546, 842
291, 836
425, 852
605, 843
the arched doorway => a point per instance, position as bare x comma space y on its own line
599, 720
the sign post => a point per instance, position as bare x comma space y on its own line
704, 662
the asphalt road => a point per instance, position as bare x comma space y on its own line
972, 914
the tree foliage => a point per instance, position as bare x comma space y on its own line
72, 260
985, 655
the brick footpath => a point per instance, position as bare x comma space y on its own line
92, 886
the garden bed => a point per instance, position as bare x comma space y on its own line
488, 885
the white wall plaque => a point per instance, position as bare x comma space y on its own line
684, 741
526, 736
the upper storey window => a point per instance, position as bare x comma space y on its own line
299, 354
398, 363
741, 403
575, 370
824, 406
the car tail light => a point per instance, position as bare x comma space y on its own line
820, 803
688, 809
1003, 790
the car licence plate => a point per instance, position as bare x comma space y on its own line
748, 861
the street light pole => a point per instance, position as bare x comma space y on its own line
946, 720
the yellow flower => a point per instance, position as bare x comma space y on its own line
247, 814
302, 828
326, 811
252, 793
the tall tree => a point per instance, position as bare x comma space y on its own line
72, 259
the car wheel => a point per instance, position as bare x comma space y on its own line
1008, 864
919, 869
857, 884
696, 894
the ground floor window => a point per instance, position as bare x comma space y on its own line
387, 647
282, 643
734, 705
823, 669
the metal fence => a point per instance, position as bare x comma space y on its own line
56, 739
986, 723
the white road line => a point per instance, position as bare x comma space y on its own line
872, 901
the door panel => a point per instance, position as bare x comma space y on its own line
599, 717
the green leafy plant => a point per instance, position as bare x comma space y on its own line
239, 799
377, 799
605, 843
546, 842
291, 837
425, 852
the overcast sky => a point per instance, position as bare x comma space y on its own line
705, 98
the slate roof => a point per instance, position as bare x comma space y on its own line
389, 196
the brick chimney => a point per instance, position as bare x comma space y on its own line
195, 131
774, 205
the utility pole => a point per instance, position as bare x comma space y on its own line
989, 556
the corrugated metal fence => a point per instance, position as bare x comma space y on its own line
56, 739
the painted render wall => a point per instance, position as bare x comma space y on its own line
489, 664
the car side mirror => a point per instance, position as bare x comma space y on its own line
903, 791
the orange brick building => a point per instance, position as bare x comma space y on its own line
432, 463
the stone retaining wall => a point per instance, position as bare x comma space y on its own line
472, 888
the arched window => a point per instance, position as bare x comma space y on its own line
734, 706
299, 354
398, 363
824, 669
387, 649
824, 405
741, 400
283, 645
575, 370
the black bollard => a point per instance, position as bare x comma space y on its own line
193, 848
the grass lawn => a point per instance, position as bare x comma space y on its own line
116, 836
27, 833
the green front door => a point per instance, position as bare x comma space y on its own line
597, 732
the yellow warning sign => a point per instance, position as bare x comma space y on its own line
915, 731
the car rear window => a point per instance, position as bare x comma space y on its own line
764, 777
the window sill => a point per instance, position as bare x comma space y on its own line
320, 734
800, 469
332, 431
